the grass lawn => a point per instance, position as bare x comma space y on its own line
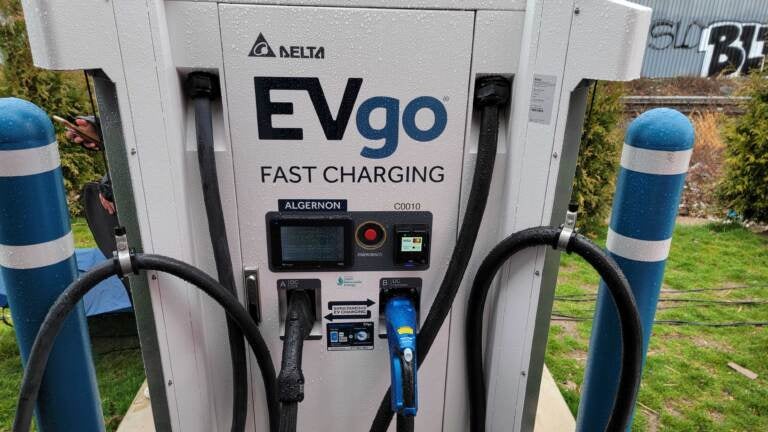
687, 385
116, 352
82, 234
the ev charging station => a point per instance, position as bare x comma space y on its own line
346, 138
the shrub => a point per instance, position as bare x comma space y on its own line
744, 186
598, 156
61, 93
705, 170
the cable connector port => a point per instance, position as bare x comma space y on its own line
202, 84
492, 90
387, 293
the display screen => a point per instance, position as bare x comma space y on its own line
411, 244
312, 243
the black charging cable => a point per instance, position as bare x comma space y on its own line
406, 423
618, 286
290, 382
67, 301
202, 88
491, 95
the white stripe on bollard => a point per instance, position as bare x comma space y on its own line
24, 162
655, 161
37, 255
637, 250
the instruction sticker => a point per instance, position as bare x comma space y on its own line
351, 336
349, 309
542, 99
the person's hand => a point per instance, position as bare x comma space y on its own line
108, 206
88, 128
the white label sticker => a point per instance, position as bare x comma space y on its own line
349, 309
542, 99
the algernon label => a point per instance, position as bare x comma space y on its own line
312, 205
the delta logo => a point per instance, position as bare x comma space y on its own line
261, 48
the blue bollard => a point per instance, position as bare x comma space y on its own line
37, 263
654, 163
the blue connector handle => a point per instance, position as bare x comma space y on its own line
401, 321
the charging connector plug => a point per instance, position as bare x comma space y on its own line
290, 380
298, 324
401, 332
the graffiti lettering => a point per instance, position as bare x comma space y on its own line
668, 34
732, 48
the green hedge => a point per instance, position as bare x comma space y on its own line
598, 156
744, 185
61, 93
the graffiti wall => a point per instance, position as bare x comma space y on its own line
706, 37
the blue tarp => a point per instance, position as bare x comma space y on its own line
108, 296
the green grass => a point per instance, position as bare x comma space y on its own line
119, 371
116, 353
687, 385
83, 236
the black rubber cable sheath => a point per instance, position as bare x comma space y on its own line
290, 380
618, 286
405, 423
67, 301
490, 103
218, 233
289, 414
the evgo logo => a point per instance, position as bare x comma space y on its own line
334, 128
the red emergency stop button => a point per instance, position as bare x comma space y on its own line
371, 235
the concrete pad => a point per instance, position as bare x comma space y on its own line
552, 414
139, 416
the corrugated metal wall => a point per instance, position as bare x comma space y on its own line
705, 37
